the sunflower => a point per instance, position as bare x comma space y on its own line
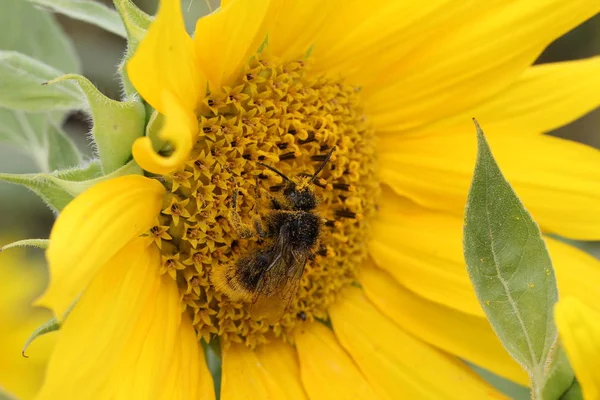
21, 281
263, 95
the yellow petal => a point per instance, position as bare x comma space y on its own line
180, 130
398, 365
297, 25
92, 229
459, 65
327, 370
281, 360
579, 330
406, 243
544, 98
188, 376
270, 372
123, 338
465, 336
165, 61
556, 179
226, 39
358, 29
577, 273
21, 279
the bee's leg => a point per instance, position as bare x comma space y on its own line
258, 226
241, 228
331, 223
257, 195
256, 187
259, 229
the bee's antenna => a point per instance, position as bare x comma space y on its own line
314, 177
274, 170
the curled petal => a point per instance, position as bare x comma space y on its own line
180, 130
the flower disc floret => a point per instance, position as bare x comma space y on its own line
279, 115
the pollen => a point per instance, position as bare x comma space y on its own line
280, 115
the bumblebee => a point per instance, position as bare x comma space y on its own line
269, 275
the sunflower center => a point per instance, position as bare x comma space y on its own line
239, 226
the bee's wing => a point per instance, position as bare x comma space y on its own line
278, 284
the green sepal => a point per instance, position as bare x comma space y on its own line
49, 326
89, 11
46, 187
214, 361
22, 85
37, 243
136, 24
60, 187
153, 128
510, 269
116, 123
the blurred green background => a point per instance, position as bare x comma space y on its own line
23, 215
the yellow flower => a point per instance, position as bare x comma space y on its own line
161, 261
21, 280
579, 330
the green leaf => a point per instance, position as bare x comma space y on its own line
509, 388
116, 124
62, 152
22, 85
89, 11
48, 145
5, 395
35, 133
36, 33
59, 188
39, 243
509, 267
